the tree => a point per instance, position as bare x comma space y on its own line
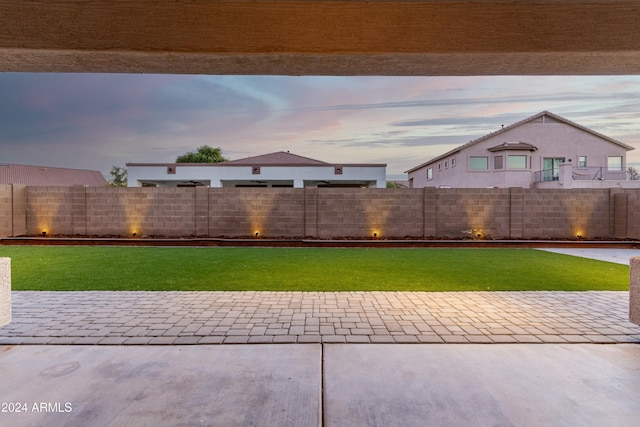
118, 176
633, 174
204, 154
395, 184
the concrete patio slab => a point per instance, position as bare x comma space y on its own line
619, 256
482, 385
322, 384
259, 385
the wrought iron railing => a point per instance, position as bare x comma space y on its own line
546, 175
599, 173
588, 173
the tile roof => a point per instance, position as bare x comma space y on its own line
278, 158
48, 176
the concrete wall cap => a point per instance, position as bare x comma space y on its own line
5, 291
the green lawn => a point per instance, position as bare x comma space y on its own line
306, 269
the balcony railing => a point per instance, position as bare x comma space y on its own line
589, 173
546, 175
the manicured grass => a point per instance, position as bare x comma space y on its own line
306, 269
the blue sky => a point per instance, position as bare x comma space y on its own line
94, 121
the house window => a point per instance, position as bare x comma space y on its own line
337, 170
497, 162
171, 170
446, 164
429, 174
582, 161
255, 170
516, 162
614, 163
439, 166
453, 162
478, 163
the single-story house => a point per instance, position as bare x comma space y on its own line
542, 151
49, 177
280, 169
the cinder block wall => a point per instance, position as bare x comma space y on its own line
6, 210
566, 213
49, 209
19, 196
466, 212
112, 211
633, 215
389, 213
620, 202
320, 212
271, 212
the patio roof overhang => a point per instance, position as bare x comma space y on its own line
315, 37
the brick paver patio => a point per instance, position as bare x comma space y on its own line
313, 317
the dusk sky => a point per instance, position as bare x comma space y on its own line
94, 121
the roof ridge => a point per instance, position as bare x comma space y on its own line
50, 176
266, 155
49, 167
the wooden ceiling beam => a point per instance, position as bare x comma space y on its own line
319, 37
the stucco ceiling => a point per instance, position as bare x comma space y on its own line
320, 37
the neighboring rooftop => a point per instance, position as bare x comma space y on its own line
280, 158
48, 176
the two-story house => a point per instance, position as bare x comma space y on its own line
543, 151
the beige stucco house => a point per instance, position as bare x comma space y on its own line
542, 151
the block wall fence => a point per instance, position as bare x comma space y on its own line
324, 213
